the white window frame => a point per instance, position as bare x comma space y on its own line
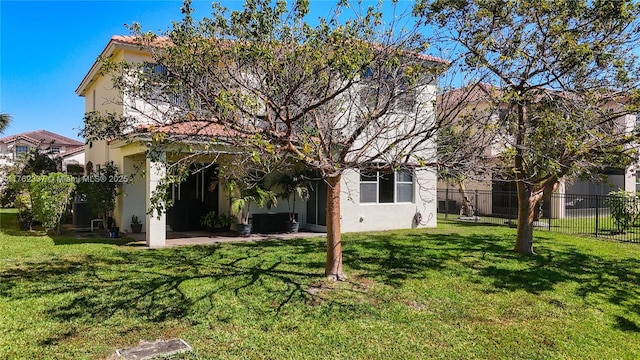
21, 147
396, 182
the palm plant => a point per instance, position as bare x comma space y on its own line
241, 204
5, 119
292, 186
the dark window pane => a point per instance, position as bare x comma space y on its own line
368, 176
386, 188
322, 203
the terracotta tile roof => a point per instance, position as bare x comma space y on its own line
433, 59
475, 93
42, 137
125, 39
73, 151
188, 128
163, 40
135, 40
13, 138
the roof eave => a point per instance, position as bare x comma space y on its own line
109, 50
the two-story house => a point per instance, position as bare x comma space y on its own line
370, 201
69, 151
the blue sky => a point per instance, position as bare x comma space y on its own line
46, 48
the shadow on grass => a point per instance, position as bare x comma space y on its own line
262, 278
186, 283
66, 240
625, 324
393, 259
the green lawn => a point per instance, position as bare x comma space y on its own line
583, 226
454, 292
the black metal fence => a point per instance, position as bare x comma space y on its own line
612, 217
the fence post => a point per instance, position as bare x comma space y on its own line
550, 210
597, 213
476, 212
446, 203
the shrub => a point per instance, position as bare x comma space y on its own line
22, 202
49, 198
624, 207
100, 189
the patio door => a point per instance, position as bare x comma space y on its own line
193, 198
317, 206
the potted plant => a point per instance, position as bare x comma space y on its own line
293, 186
222, 222
208, 220
241, 205
136, 225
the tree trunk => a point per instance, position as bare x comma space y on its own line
466, 209
526, 200
333, 267
528, 203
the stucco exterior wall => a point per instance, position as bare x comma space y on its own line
131, 200
77, 158
373, 217
101, 96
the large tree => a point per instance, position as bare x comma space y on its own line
566, 76
345, 93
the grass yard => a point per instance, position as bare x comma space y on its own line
454, 292
581, 226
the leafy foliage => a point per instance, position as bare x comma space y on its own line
5, 120
135, 220
565, 77
22, 203
50, 195
35, 162
100, 190
624, 207
293, 185
244, 197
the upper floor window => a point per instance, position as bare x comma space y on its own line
381, 89
386, 186
163, 91
55, 149
155, 69
22, 149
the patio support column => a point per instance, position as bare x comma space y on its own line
559, 201
156, 228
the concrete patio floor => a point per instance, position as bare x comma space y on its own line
175, 238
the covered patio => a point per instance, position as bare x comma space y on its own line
175, 238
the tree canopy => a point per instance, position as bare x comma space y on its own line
344, 93
565, 76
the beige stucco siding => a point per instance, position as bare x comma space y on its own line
367, 217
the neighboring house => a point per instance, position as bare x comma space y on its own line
461, 103
72, 157
70, 151
369, 201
